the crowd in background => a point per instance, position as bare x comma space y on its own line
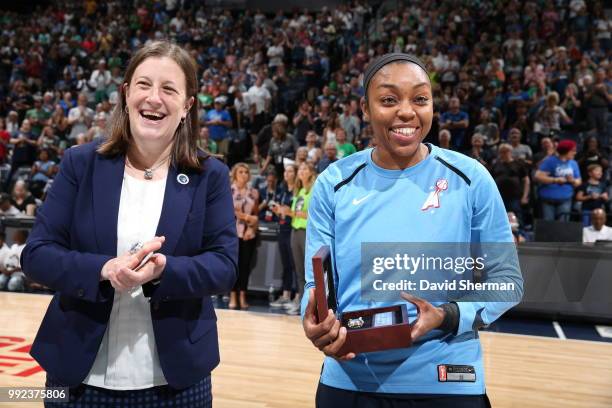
524, 87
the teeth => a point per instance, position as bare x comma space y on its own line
154, 114
405, 131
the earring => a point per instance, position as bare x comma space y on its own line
126, 109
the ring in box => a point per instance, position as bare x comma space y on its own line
368, 330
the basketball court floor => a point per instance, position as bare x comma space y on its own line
266, 362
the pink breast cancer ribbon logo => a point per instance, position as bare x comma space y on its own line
433, 200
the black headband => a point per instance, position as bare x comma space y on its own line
383, 60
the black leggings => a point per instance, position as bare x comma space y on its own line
246, 251
330, 397
284, 247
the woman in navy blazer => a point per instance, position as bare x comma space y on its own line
102, 194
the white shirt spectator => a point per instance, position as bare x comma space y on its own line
4, 253
12, 257
260, 96
82, 117
100, 80
275, 54
575, 6
440, 62
243, 106
590, 234
11, 211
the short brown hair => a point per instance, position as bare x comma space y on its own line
185, 153
593, 166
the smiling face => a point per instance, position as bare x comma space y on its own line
156, 99
400, 110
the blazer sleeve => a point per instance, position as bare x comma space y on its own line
213, 271
48, 257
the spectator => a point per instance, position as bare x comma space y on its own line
262, 142
50, 141
515, 227
592, 194
267, 197
5, 138
282, 146
24, 150
549, 116
323, 114
456, 121
207, 144
6, 206
487, 128
299, 218
246, 203
344, 147
301, 155
350, 121
12, 278
80, 118
43, 170
282, 210
598, 230
98, 130
261, 98
331, 129
100, 80
314, 152
37, 116
592, 154
303, 122
22, 199
331, 155
598, 97
4, 251
444, 139
12, 123
512, 179
478, 151
547, 149
519, 151
219, 121
558, 176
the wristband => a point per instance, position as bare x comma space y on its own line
450, 324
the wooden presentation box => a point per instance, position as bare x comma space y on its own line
368, 330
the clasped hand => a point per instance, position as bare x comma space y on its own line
329, 336
120, 270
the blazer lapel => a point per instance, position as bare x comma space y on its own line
177, 202
107, 182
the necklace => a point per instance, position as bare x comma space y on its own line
148, 172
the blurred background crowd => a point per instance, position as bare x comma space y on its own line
524, 87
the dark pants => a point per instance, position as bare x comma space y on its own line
284, 247
329, 397
198, 395
246, 251
298, 247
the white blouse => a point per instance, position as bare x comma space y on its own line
127, 358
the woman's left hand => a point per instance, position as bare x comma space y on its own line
429, 316
127, 279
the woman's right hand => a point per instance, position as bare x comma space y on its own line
127, 260
328, 336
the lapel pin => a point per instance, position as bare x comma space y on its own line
182, 179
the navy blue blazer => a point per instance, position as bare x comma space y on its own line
75, 234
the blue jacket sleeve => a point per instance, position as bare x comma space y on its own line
48, 258
319, 229
491, 230
212, 271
